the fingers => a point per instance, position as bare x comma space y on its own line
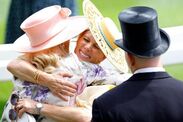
19, 108
68, 86
67, 89
68, 92
26, 105
63, 94
65, 74
63, 97
61, 87
59, 81
21, 111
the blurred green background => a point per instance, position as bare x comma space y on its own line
169, 14
169, 11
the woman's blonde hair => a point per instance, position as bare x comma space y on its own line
43, 62
46, 62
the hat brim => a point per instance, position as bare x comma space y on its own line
72, 29
162, 48
115, 56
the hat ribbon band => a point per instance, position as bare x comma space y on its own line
108, 39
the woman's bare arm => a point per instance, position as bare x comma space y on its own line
25, 71
22, 69
64, 114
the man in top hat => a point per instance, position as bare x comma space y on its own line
151, 94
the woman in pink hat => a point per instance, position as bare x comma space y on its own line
42, 35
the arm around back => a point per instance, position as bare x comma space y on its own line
24, 70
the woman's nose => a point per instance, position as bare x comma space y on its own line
88, 47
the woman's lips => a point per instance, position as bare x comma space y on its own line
84, 55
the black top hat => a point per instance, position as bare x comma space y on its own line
141, 34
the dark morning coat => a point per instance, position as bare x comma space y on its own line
145, 97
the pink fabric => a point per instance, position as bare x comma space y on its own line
80, 88
41, 26
49, 27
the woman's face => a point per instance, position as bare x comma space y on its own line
87, 49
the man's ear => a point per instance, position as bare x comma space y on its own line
131, 59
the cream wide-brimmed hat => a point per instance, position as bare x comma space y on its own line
105, 33
49, 27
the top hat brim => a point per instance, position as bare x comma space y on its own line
162, 48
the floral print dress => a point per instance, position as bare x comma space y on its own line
85, 73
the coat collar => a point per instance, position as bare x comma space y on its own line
149, 76
150, 69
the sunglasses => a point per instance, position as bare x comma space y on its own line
12, 112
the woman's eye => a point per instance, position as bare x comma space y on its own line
86, 40
97, 47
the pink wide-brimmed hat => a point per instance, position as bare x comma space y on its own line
49, 27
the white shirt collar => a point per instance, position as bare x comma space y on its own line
150, 69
